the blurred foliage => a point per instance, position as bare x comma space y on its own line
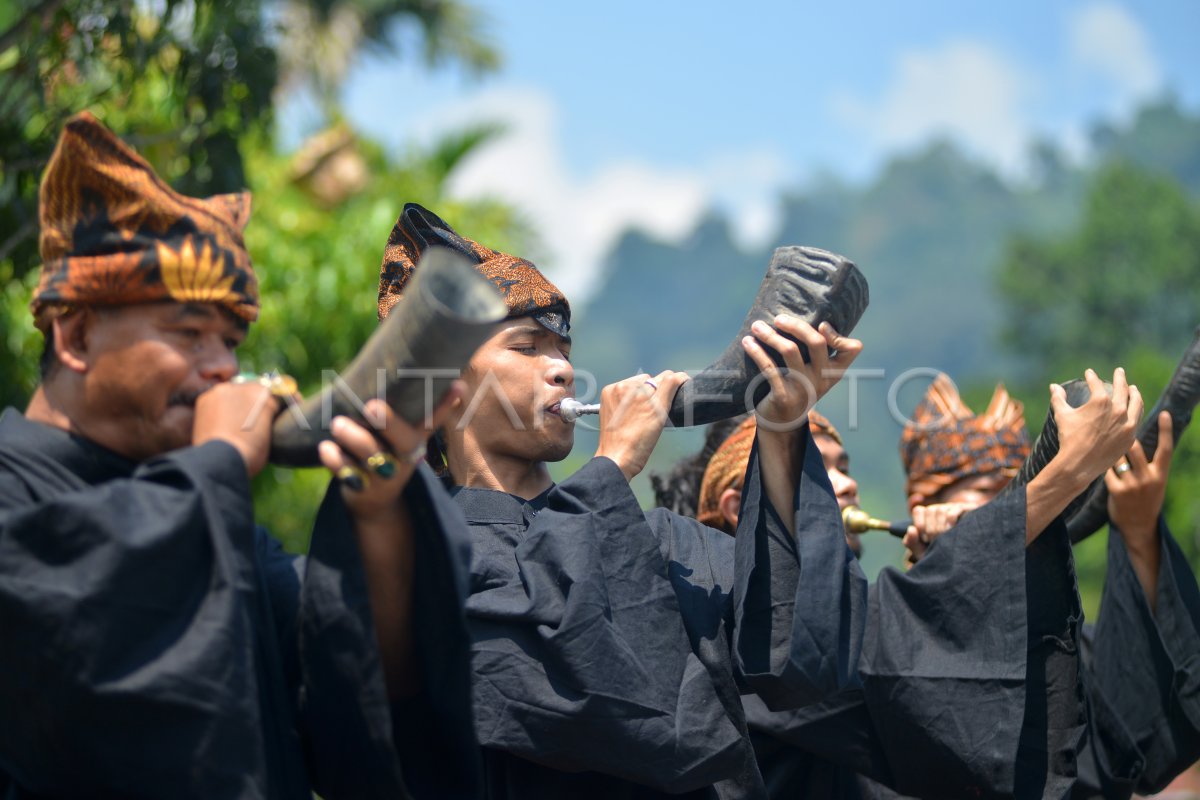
1130, 272
185, 80
191, 84
321, 39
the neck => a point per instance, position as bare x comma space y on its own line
43, 408
514, 475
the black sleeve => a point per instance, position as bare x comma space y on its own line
1147, 665
800, 603
946, 662
362, 745
837, 730
581, 659
129, 618
1109, 763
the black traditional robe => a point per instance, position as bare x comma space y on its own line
610, 645
1142, 672
155, 643
969, 680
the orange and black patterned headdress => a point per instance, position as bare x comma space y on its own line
945, 442
526, 290
727, 466
113, 233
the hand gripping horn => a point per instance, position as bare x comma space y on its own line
1045, 447
448, 310
808, 283
1088, 512
1179, 398
805, 282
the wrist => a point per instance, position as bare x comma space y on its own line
782, 450
1066, 474
1140, 540
626, 468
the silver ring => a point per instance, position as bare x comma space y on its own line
653, 386
1122, 468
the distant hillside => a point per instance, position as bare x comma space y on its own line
927, 233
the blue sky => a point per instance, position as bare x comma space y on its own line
648, 113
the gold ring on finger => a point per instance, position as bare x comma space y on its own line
353, 478
383, 464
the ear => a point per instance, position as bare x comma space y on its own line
730, 504
71, 333
916, 499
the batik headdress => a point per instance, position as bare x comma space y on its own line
114, 233
945, 442
727, 466
526, 290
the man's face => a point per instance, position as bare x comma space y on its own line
514, 384
837, 465
974, 491
145, 367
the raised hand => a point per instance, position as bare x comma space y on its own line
1136, 488
797, 386
632, 415
1093, 436
1091, 439
240, 414
375, 467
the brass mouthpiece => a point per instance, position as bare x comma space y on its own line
858, 521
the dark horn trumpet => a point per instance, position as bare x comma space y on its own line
805, 282
410, 360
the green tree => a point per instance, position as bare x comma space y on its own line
191, 85
321, 39
1128, 273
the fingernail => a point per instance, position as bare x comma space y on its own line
760, 326
783, 319
747, 340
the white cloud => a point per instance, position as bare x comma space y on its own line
1106, 39
963, 89
580, 217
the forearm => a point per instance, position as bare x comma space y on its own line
1048, 494
388, 559
1145, 556
781, 459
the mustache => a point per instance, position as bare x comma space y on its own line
186, 397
